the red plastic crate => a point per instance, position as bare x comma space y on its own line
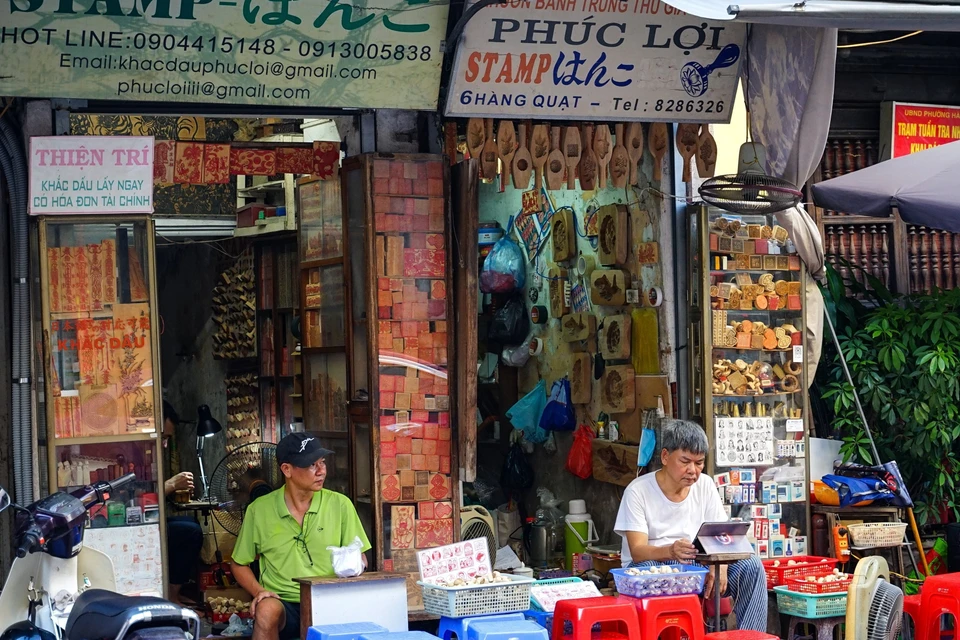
803, 586
805, 566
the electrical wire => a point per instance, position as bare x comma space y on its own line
215, 244
871, 44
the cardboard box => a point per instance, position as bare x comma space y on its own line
614, 463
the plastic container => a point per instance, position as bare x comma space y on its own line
479, 600
877, 534
803, 566
533, 603
802, 585
811, 605
687, 580
578, 532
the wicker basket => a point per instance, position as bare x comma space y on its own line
877, 534
462, 602
811, 605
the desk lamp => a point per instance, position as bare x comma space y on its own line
207, 426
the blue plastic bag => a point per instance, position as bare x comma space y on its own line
525, 414
504, 269
853, 491
648, 444
558, 415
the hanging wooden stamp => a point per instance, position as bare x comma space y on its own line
572, 150
634, 146
555, 161
476, 136
559, 298
581, 382
608, 287
564, 236
522, 162
615, 344
578, 326
619, 161
612, 238
589, 163
618, 389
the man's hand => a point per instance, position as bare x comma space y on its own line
708, 585
683, 551
183, 481
263, 595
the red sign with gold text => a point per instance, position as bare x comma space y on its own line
921, 126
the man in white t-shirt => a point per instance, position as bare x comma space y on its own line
661, 513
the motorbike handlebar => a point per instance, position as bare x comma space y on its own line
28, 543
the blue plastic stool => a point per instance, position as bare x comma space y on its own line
398, 635
347, 631
507, 630
458, 627
542, 618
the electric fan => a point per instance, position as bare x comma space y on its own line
244, 475
476, 522
874, 606
751, 190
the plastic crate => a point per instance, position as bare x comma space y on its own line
803, 586
687, 580
533, 603
803, 566
811, 605
477, 600
877, 534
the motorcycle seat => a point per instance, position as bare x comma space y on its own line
102, 615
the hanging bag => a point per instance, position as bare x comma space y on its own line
558, 415
525, 414
580, 458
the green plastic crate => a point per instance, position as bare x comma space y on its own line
811, 605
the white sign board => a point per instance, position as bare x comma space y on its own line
91, 175
596, 59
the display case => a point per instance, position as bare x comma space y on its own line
103, 382
749, 388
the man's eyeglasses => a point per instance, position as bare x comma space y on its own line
301, 540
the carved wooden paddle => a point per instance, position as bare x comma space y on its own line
572, 150
589, 164
539, 149
522, 162
555, 162
603, 147
476, 136
619, 161
706, 153
687, 142
659, 140
488, 157
506, 145
634, 146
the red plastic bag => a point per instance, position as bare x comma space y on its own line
580, 458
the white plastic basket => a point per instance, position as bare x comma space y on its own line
478, 600
686, 580
877, 534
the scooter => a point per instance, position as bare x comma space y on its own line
50, 589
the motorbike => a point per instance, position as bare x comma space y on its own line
58, 589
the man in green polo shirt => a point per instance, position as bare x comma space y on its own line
289, 531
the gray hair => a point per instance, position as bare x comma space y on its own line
684, 435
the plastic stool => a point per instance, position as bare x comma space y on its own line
399, 635
824, 626
740, 635
670, 617
612, 614
911, 607
542, 618
347, 631
939, 596
450, 627
507, 630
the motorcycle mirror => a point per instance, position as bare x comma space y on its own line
4, 499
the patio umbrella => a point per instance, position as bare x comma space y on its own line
922, 186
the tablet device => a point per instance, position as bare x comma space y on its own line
723, 537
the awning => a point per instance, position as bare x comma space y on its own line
839, 14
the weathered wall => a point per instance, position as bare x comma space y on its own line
649, 221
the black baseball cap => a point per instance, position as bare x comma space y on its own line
300, 449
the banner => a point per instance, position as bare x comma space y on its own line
914, 127
596, 59
91, 174
324, 53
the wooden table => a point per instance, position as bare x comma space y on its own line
371, 597
718, 560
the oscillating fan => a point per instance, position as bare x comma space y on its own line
244, 475
476, 522
874, 606
751, 190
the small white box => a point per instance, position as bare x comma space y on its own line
774, 511
763, 548
775, 529
777, 548
800, 545
783, 492
758, 511
722, 479
797, 490
748, 476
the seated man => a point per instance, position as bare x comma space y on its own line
661, 514
289, 531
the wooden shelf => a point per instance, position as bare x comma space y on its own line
126, 437
323, 262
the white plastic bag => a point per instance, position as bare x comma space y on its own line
348, 560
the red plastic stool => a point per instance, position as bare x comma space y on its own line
710, 608
669, 617
911, 607
740, 635
939, 596
614, 615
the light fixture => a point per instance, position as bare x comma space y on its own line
207, 426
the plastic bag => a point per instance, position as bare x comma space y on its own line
549, 509
504, 269
517, 473
525, 414
648, 444
558, 414
510, 324
580, 458
347, 561
853, 491
517, 356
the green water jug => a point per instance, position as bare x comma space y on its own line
579, 530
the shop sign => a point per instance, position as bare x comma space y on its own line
91, 175
328, 53
915, 127
596, 59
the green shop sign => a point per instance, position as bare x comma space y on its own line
309, 53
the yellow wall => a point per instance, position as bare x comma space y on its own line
729, 137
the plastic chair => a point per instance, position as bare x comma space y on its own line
457, 627
824, 626
507, 630
670, 617
939, 596
347, 631
542, 618
614, 615
399, 635
740, 635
